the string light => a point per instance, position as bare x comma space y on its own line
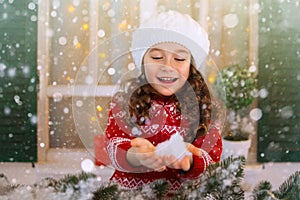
99, 108
78, 45
247, 29
93, 118
212, 78
85, 27
71, 9
102, 55
123, 25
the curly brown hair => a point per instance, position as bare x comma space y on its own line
136, 98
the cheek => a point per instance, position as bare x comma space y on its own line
149, 73
185, 72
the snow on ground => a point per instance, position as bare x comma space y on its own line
64, 162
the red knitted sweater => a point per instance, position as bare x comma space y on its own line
165, 121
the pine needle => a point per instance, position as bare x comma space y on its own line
290, 189
71, 181
262, 190
106, 193
161, 188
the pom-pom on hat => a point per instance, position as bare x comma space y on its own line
174, 27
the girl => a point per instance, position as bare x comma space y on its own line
169, 97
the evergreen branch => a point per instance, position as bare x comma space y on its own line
5, 186
70, 181
67, 181
266, 194
84, 176
8, 188
106, 193
226, 176
262, 190
220, 181
213, 196
160, 188
50, 182
290, 189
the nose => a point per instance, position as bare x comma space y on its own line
168, 65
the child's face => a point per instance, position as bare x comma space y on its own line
167, 67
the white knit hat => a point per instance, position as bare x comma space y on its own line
174, 27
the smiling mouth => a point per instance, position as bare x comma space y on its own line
167, 79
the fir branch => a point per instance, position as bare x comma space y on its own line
50, 182
290, 189
225, 178
220, 181
189, 189
66, 182
71, 181
106, 193
160, 188
262, 190
213, 196
84, 176
5, 186
155, 190
8, 188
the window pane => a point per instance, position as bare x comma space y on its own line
69, 39
80, 36
64, 133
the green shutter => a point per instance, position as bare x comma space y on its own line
18, 81
279, 75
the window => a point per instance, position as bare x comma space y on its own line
76, 67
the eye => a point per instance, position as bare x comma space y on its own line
156, 57
180, 59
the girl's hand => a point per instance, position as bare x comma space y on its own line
174, 163
186, 162
142, 152
194, 150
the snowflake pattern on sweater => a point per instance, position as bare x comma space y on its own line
165, 121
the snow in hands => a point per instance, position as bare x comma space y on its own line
175, 146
